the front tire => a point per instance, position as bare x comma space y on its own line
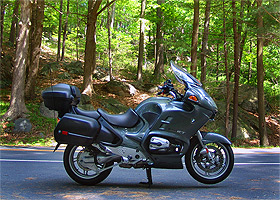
213, 170
81, 165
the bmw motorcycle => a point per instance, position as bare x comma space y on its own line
161, 132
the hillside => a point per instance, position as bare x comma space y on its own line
72, 73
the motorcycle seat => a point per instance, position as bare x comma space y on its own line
126, 120
88, 113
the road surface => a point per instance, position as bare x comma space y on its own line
38, 173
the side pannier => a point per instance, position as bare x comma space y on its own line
61, 97
76, 129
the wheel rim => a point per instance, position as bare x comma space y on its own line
210, 168
83, 164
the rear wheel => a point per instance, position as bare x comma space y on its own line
211, 165
81, 164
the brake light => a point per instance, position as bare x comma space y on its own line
64, 132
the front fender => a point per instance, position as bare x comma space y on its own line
208, 137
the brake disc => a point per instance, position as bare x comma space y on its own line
210, 165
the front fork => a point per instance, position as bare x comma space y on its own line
204, 150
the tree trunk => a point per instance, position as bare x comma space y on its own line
90, 50
205, 41
59, 31
65, 32
3, 5
1, 29
17, 104
227, 75
13, 31
217, 63
250, 64
195, 38
34, 47
159, 64
141, 41
260, 76
236, 72
77, 34
110, 23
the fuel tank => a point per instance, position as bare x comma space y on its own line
170, 116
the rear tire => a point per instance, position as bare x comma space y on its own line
85, 173
207, 171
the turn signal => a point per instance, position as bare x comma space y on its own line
193, 98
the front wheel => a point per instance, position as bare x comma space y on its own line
81, 164
211, 165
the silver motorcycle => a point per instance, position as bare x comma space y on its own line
161, 132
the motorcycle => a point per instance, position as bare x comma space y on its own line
161, 132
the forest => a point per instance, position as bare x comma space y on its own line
231, 46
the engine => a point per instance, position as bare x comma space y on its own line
159, 145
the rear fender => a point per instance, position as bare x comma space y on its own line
208, 137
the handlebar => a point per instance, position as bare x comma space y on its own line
168, 88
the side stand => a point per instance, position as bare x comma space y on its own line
149, 177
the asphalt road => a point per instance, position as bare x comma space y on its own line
38, 173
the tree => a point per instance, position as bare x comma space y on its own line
260, 75
14, 24
34, 47
1, 31
90, 56
236, 71
159, 62
141, 41
110, 24
3, 6
195, 38
77, 31
59, 31
65, 32
205, 41
227, 73
17, 106
90, 49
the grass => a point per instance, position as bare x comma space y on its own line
40, 135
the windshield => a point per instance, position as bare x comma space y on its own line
183, 76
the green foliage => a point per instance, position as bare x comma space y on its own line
3, 107
177, 28
42, 128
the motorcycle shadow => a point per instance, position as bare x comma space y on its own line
160, 186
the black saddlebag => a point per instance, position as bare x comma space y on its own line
61, 97
76, 129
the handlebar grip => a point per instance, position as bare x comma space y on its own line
159, 93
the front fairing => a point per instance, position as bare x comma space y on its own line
183, 76
204, 99
193, 87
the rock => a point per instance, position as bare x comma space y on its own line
120, 88
100, 73
75, 68
46, 112
85, 103
105, 78
86, 106
113, 106
22, 125
153, 89
42, 135
132, 89
249, 105
85, 99
247, 124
